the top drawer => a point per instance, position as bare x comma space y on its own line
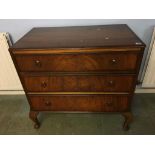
78, 62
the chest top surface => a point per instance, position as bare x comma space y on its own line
78, 37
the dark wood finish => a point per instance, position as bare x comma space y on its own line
79, 37
78, 62
77, 50
33, 116
87, 69
128, 119
77, 83
89, 103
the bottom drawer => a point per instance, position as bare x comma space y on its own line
89, 103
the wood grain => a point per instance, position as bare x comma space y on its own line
78, 62
91, 103
76, 83
86, 69
79, 37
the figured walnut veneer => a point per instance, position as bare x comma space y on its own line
79, 69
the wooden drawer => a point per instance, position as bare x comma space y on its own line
78, 62
90, 103
78, 83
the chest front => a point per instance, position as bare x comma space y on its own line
79, 69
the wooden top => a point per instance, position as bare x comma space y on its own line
78, 37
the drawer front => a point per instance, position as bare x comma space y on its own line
79, 83
90, 103
78, 62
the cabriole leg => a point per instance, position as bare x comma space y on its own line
128, 119
33, 116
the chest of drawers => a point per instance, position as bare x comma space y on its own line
79, 69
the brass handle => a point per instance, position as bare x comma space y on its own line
38, 63
111, 83
114, 61
44, 84
47, 103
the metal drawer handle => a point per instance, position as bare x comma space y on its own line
44, 84
38, 63
111, 83
114, 61
48, 103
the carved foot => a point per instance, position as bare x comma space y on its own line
128, 119
33, 116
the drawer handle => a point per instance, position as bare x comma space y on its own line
38, 63
47, 103
111, 83
114, 61
44, 84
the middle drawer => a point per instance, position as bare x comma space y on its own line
77, 83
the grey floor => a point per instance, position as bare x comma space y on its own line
14, 119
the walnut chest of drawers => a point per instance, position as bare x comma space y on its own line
79, 69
